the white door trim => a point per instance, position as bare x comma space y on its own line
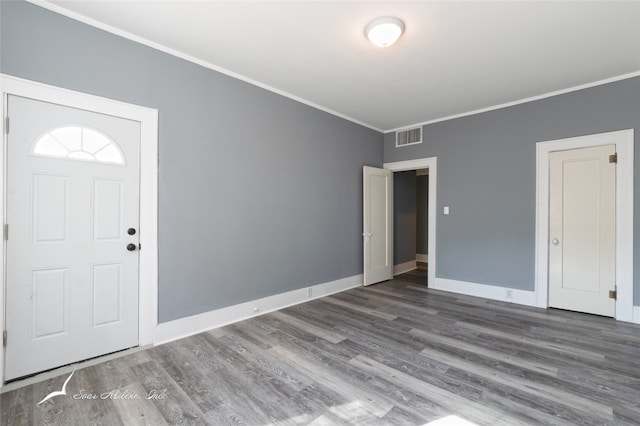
623, 140
430, 163
148, 118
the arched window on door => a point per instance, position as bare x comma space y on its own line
78, 143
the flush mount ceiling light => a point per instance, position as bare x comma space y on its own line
383, 32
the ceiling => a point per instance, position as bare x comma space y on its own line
454, 58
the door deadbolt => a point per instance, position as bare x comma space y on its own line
131, 231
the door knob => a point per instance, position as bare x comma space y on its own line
131, 247
555, 241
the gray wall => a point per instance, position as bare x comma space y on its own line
422, 214
404, 217
258, 194
486, 174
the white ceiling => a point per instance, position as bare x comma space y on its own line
454, 57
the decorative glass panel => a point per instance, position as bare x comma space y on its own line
79, 143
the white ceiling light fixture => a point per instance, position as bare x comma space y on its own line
383, 32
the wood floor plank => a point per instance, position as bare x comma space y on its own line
95, 381
290, 341
192, 371
138, 414
320, 353
376, 404
17, 407
449, 401
439, 375
536, 388
564, 349
267, 364
511, 357
531, 409
390, 298
284, 392
309, 327
176, 407
570, 368
358, 308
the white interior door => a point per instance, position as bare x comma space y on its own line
582, 229
378, 225
73, 218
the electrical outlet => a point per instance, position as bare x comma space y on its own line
509, 293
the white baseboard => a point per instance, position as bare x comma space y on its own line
521, 297
183, 327
404, 267
422, 257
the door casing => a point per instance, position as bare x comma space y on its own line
623, 140
430, 163
148, 118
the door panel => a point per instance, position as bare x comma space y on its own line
49, 306
107, 210
580, 223
378, 225
72, 191
49, 213
107, 287
582, 230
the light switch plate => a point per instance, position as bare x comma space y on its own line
446, 210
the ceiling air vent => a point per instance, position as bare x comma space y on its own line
409, 136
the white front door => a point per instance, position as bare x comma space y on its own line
582, 230
378, 225
73, 231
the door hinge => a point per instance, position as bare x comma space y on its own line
613, 158
613, 294
4, 339
6, 231
6, 125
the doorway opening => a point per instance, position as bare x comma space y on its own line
410, 217
418, 267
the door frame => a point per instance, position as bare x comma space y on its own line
430, 163
623, 140
148, 118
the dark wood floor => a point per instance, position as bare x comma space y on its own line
393, 353
416, 276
